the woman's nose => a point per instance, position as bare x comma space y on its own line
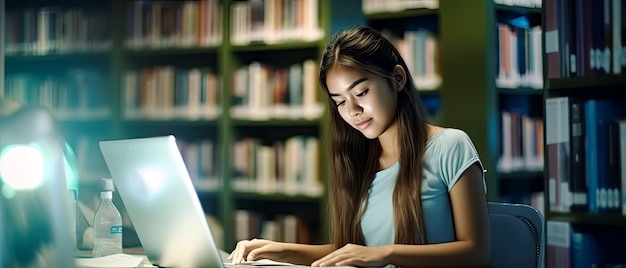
354, 108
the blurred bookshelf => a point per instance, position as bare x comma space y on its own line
234, 81
585, 143
496, 97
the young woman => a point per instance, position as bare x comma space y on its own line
403, 192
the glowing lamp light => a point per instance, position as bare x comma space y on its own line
35, 212
22, 167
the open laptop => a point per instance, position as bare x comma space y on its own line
156, 189
153, 182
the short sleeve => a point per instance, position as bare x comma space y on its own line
457, 154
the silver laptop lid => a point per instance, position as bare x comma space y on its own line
156, 189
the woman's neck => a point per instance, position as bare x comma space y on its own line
386, 162
390, 147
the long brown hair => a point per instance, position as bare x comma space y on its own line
354, 159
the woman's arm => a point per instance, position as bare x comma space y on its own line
306, 254
256, 249
471, 248
471, 224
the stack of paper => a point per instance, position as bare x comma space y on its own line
114, 261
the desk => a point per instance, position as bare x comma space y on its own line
87, 253
138, 251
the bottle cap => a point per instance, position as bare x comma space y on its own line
106, 184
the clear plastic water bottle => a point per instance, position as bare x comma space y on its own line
107, 224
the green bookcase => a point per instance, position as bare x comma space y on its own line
134, 68
584, 112
470, 98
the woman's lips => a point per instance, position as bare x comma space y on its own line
363, 124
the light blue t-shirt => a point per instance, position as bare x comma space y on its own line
448, 154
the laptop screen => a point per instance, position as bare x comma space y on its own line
163, 205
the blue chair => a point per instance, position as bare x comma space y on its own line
517, 236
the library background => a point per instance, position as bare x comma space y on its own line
538, 85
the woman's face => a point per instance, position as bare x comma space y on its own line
364, 100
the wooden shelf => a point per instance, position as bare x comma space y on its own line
276, 122
174, 123
152, 52
275, 197
521, 91
83, 116
11, 4
518, 9
85, 56
585, 218
429, 92
290, 45
593, 82
521, 175
86, 124
204, 192
404, 14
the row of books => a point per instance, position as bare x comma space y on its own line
586, 142
262, 91
71, 94
283, 228
168, 92
160, 24
52, 29
574, 246
522, 143
167, 24
376, 6
585, 38
272, 21
519, 3
290, 166
519, 57
420, 50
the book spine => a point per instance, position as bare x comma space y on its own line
578, 185
551, 49
557, 143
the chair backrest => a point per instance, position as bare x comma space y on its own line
517, 235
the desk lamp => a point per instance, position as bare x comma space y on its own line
35, 210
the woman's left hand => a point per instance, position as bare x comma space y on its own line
354, 255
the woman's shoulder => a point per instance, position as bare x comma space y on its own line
449, 152
447, 135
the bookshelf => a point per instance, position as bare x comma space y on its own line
483, 92
585, 152
203, 79
60, 54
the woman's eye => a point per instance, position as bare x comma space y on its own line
362, 93
339, 103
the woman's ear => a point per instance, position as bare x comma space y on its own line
399, 77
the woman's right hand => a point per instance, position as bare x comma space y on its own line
256, 249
